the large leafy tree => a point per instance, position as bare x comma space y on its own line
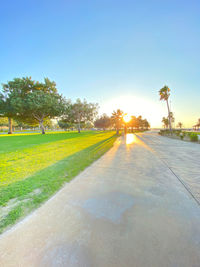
117, 118
103, 122
139, 122
164, 94
64, 124
82, 112
145, 124
3, 121
34, 102
133, 123
7, 109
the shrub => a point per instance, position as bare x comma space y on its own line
193, 137
182, 135
177, 132
164, 132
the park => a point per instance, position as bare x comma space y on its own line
99, 134
123, 173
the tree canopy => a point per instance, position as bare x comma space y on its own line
103, 122
164, 94
82, 112
117, 118
31, 101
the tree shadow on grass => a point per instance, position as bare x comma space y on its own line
48, 181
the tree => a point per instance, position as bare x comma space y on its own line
172, 119
197, 125
88, 125
82, 112
117, 118
64, 124
180, 125
165, 122
146, 124
133, 123
103, 122
7, 109
140, 122
48, 123
3, 121
164, 95
34, 102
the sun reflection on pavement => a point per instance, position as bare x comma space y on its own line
130, 139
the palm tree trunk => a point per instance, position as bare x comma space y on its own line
10, 125
170, 126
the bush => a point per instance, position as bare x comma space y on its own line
164, 132
177, 132
193, 137
182, 135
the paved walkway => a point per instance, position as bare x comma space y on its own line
132, 208
183, 158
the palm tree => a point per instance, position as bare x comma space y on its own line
180, 125
164, 95
172, 119
197, 125
117, 119
165, 122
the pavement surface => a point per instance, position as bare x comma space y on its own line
137, 206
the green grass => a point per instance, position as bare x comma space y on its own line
42, 164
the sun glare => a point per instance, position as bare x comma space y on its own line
130, 139
126, 118
136, 106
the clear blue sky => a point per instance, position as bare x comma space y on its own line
114, 52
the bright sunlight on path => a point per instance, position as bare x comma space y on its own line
135, 207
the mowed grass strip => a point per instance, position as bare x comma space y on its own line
14, 142
20, 164
19, 198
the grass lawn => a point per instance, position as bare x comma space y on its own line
34, 166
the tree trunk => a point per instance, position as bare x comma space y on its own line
125, 129
10, 125
170, 126
117, 131
79, 127
42, 127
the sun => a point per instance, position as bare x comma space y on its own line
126, 118
135, 105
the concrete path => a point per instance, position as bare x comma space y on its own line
133, 207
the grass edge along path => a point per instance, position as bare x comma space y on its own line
47, 181
24, 162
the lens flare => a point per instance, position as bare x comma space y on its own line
126, 118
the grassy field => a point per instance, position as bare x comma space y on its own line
33, 167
